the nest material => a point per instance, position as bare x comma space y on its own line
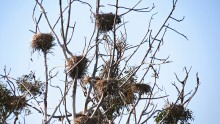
19, 102
111, 87
106, 87
140, 88
42, 42
105, 22
77, 66
128, 94
115, 98
87, 79
120, 100
84, 119
174, 113
10, 102
35, 89
14, 103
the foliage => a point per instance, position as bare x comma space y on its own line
28, 84
173, 114
10, 103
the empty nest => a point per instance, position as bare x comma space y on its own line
105, 22
77, 66
84, 119
106, 87
140, 88
42, 42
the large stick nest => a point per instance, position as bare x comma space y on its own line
77, 66
105, 22
98, 118
140, 88
174, 113
106, 87
35, 89
10, 102
128, 94
42, 42
111, 87
115, 98
84, 119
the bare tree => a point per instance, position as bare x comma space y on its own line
114, 88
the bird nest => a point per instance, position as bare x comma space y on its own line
127, 94
111, 87
106, 87
177, 110
42, 42
92, 80
34, 89
14, 103
140, 88
105, 22
174, 113
115, 98
84, 119
9, 101
28, 84
19, 102
77, 66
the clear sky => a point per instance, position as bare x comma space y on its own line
202, 51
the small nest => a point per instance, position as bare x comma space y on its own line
140, 88
84, 119
19, 102
42, 42
28, 84
177, 109
106, 87
174, 113
9, 102
128, 94
105, 22
119, 101
35, 89
115, 99
87, 79
15, 103
77, 64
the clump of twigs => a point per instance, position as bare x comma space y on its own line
10, 103
105, 22
34, 89
42, 42
18, 102
115, 98
119, 100
84, 119
140, 88
106, 86
174, 113
128, 94
28, 84
77, 66
88, 79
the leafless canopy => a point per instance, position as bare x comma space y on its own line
114, 89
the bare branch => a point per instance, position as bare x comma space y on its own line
176, 31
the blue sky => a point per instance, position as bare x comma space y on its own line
202, 52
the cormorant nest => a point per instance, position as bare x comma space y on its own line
42, 42
105, 22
